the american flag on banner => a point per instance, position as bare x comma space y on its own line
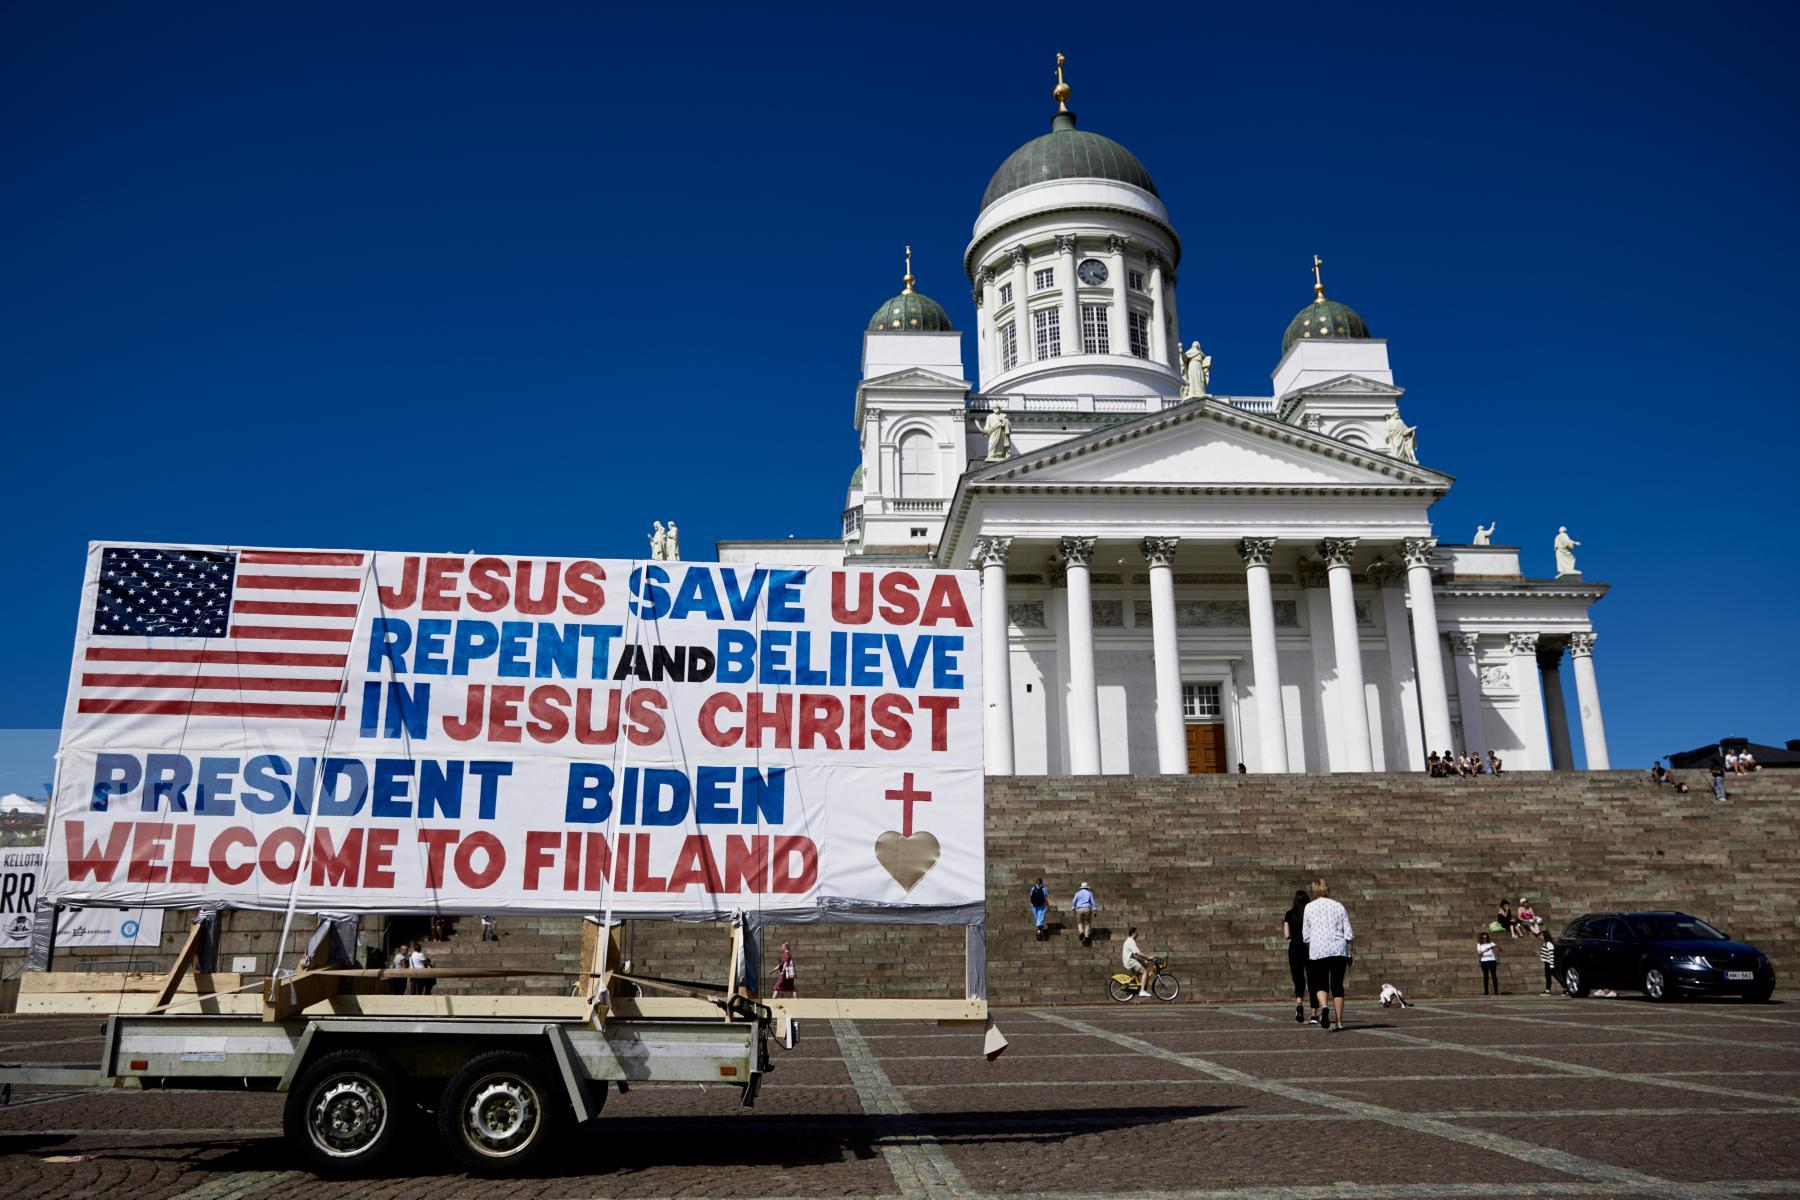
221, 633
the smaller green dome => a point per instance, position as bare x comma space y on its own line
1324, 319
856, 477
911, 312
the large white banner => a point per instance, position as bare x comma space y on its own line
20, 892
474, 733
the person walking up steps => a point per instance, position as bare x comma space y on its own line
1040, 906
1489, 954
1326, 931
1296, 953
1084, 905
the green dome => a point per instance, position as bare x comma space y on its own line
1324, 319
1066, 153
856, 477
911, 312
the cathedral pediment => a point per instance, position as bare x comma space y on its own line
915, 379
1206, 444
1348, 385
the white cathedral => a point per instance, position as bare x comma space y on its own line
1187, 582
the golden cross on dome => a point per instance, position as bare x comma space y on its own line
909, 274
1062, 88
1318, 281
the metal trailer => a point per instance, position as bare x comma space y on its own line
499, 1090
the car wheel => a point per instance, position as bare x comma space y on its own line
1656, 984
1572, 980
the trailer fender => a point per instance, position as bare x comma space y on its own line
299, 1059
569, 1069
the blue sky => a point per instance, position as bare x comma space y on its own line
525, 277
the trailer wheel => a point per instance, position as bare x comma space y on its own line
342, 1113
501, 1112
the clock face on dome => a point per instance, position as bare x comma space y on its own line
1092, 272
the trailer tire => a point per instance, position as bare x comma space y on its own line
502, 1112
344, 1111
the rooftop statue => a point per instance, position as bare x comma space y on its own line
672, 547
998, 428
1196, 373
1402, 439
1485, 534
1565, 551
659, 543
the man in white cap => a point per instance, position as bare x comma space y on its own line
1084, 905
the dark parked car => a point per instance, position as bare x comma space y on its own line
1661, 954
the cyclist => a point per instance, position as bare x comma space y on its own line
1136, 961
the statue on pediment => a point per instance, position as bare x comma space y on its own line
1402, 439
672, 546
1484, 534
997, 426
1196, 373
659, 542
1565, 551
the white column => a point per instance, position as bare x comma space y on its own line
1265, 660
987, 329
1323, 692
1021, 259
1353, 705
1556, 714
1392, 581
1467, 648
1174, 330
1159, 340
1118, 332
1171, 730
1587, 696
1523, 648
1071, 300
996, 652
1428, 653
1084, 699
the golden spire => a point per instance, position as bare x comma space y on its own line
1062, 89
909, 274
1318, 282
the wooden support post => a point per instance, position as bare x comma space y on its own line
183, 961
288, 996
734, 971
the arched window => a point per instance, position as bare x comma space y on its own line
918, 466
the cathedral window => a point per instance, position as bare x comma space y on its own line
1200, 701
1135, 280
1093, 329
918, 466
1047, 324
1005, 294
1043, 279
1009, 345
1140, 333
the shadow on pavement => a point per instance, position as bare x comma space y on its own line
615, 1146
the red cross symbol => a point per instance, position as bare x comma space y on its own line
908, 797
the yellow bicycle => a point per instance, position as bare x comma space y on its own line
1122, 985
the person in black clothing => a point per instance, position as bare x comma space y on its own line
1296, 951
1717, 767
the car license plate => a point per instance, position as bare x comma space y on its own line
1734, 976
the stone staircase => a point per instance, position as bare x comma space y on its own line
1206, 865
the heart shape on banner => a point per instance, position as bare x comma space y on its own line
906, 857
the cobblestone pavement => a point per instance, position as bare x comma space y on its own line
1515, 1097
